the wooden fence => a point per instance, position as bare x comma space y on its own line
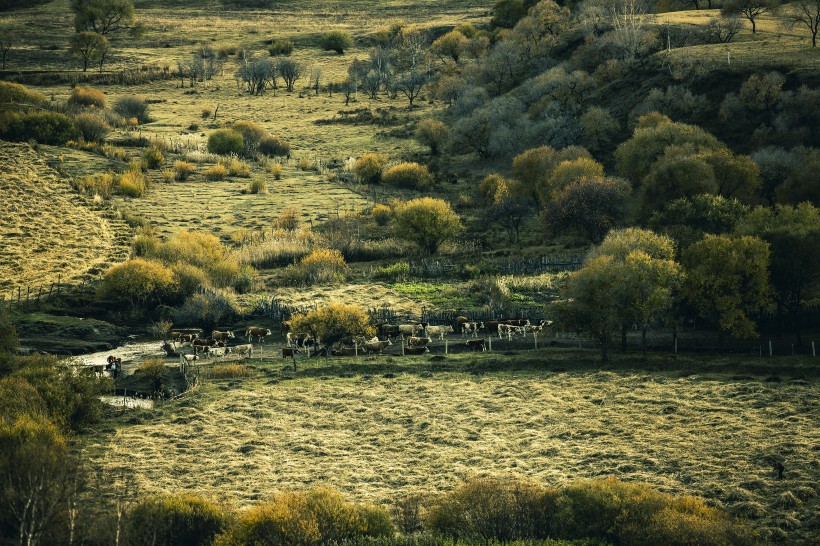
34, 296
443, 267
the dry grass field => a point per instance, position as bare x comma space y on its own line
47, 229
377, 437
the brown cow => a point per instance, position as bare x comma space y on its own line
460, 321
284, 327
289, 351
418, 341
260, 333
416, 350
222, 336
476, 344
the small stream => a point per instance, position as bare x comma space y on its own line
128, 352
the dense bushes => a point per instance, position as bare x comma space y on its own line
272, 146
226, 141
42, 127
138, 282
320, 266
20, 95
369, 167
280, 47
336, 40
409, 176
132, 107
490, 509
175, 520
87, 96
92, 128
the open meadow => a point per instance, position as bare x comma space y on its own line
381, 429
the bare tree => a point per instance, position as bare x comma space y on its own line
5, 46
722, 29
89, 46
258, 75
750, 9
802, 12
290, 71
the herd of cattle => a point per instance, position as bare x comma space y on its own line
413, 337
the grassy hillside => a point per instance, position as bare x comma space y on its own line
47, 229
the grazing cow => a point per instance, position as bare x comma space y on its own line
416, 350
300, 339
544, 323
389, 330
491, 326
441, 331
259, 333
222, 336
187, 358
92, 371
460, 321
532, 329
284, 327
376, 346
242, 350
215, 351
476, 344
418, 341
410, 329
182, 336
170, 350
202, 342
471, 328
289, 352
517, 322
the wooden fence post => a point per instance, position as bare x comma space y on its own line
770, 347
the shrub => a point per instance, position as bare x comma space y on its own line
252, 133
168, 175
258, 185
87, 96
567, 172
304, 164
204, 114
92, 128
236, 167
20, 95
409, 176
190, 278
131, 183
288, 219
336, 40
215, 173
225, 51
272, 146
397, 272
97, 184
207, 310
175, 520
276, 170
319, 267
494, 189
183, 169
277, 249
226, 141
138, 282
369, 167
155, 371
132, 106
43, 127
152, 158
381, 214
428, 222
432, 133
280, 47
285, 519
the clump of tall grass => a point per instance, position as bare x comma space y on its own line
83, 96
215, 173
131, 183
183, 170
258, 185
236, 167
276, 248
230, 371
322, 266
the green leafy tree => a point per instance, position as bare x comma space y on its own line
653, 135
333, 323
727, 281
644, 262
432, 133
676, 175
450, 46
588, 305
428, 222
103, 16
793, 233
687, 219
